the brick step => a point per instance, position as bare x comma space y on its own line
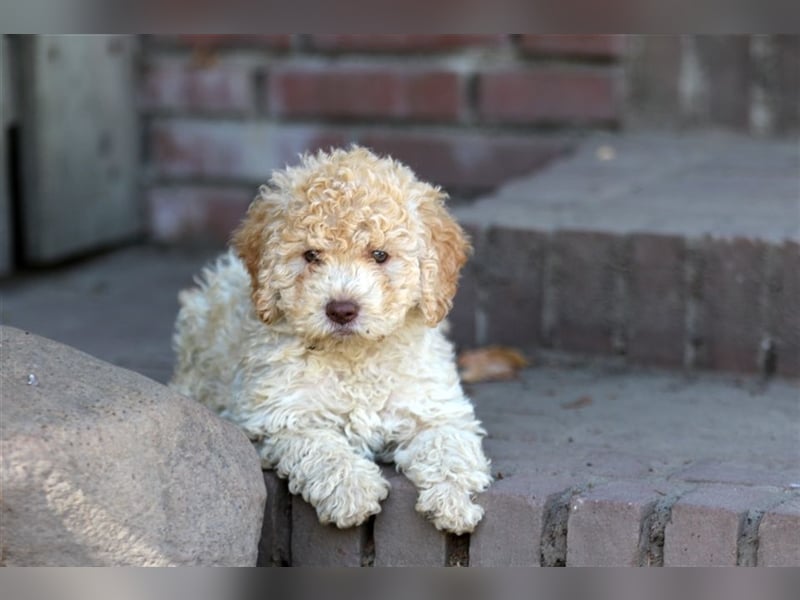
595, 464
674, 250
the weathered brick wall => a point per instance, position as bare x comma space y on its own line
748, 83
465, 111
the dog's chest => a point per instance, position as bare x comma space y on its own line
361, 397
359, 394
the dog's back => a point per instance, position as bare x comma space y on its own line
210, 331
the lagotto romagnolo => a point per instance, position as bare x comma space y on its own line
321, 333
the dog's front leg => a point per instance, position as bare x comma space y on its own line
345, 488
447, 465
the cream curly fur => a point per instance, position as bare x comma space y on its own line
323, 400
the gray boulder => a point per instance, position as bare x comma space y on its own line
102, 466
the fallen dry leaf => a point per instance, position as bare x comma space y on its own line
579, 403
492, 363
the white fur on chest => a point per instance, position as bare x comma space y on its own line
375, 394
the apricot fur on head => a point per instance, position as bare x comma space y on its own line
350, 226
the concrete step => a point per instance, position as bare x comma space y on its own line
595, 464
674, 250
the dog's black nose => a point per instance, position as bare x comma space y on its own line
341, 312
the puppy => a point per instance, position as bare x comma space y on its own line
321, 334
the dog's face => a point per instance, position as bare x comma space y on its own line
347, 245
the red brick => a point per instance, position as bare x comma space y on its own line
365, 93
653, 90
549, 95
605, 525
512, 278
317, 545
606, 46
181, 213
274, 548
235, 150
657, 303
183, 86
510, 533
787, 82
403, 537
705, 524
779, 536
733, 285
584, 289
402, 43
727, 68
785, 310
466, 162
214, 41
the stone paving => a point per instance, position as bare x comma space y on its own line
599, 465
595, 462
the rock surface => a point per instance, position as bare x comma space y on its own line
102, 466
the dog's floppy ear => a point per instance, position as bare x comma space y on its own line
445, 252
252, 243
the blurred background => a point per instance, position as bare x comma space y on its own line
163, 139
112, 138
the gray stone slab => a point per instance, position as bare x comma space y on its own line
689, 185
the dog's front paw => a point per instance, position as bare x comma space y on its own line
450, 508
355, 498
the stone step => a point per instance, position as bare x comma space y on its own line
595, 464
674, 250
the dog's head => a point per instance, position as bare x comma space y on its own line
350, 244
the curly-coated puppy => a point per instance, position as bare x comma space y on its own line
320, 333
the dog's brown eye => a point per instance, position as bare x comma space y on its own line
379, 256
311, 256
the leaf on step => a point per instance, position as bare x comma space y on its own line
578, 403
492, 363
